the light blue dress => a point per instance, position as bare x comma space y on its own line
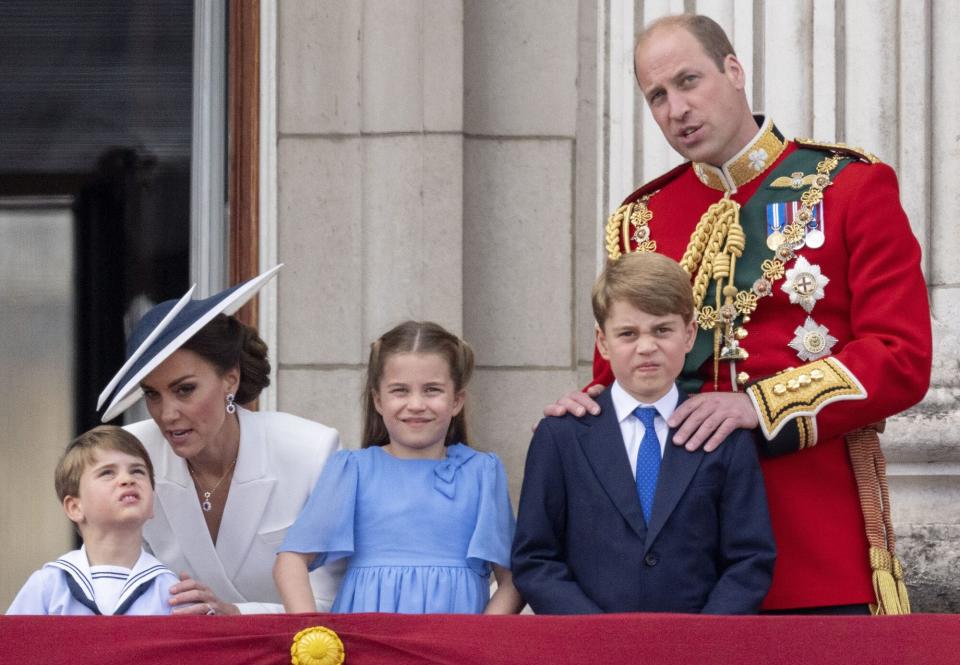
419, 535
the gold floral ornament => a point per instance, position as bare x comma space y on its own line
617, 231
640, 218
772, 270
794, 234
746, 302
707, 318
316, 646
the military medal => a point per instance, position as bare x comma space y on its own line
804, 284
814, 227
815, 236
783, 214
812, 341
774, 227
815, 239
774, 240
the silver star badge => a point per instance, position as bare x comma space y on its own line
804, 284
812, 341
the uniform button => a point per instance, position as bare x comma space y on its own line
651, 560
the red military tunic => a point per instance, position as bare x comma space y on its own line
875, 308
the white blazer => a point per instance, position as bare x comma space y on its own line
279, 461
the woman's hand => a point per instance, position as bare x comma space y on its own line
190, 596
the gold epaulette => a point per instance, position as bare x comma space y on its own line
802, 391
840, 148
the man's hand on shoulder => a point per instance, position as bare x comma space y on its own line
709, 418
578, 403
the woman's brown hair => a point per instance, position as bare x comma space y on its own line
226, 343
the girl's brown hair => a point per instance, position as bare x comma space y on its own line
416, 337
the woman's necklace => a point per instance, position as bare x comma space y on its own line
205, 504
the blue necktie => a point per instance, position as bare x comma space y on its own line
648, 460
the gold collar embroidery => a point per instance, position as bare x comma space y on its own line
747, 164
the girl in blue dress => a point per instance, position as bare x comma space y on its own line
420, 516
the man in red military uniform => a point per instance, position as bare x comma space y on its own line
813, 312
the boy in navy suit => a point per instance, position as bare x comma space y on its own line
615, 518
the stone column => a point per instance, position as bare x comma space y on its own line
520, 115
370, 189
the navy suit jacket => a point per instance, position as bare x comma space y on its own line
582, 545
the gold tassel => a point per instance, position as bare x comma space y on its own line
901, 586
869, 469
884, 586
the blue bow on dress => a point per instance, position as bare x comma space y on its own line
446, 470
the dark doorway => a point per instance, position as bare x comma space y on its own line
98, 108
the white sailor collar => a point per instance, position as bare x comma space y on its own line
77, 567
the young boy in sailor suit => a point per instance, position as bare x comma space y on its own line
105, 482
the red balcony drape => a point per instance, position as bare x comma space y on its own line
375, 639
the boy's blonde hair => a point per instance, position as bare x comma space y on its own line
81, 453
650, 282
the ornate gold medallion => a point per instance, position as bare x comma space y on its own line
317, 646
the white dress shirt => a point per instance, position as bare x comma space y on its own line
630, 426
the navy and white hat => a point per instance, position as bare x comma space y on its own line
163, 330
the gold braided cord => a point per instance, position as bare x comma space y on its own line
713, 226
721, 266
869, 469
724, 263
613, 229
698, 241
736, 239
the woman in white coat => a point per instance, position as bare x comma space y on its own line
229, 482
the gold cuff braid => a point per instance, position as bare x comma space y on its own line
802, 391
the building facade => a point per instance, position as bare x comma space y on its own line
455, 161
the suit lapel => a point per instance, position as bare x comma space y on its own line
250, 490
176, 495
676, 471
602, 445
